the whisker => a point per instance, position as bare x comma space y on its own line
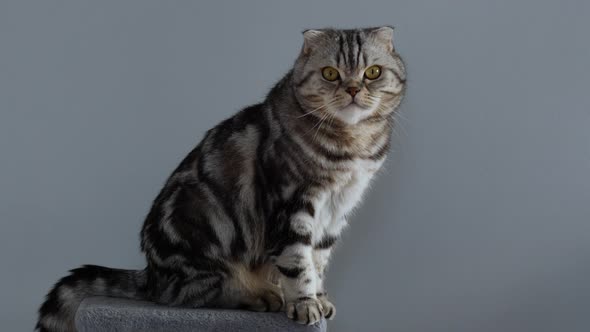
382, 108
320, 126
312, 128
331, 119
395, 125
311, 112
400, 124
403, 117
330, 103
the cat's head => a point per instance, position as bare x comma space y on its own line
350, 75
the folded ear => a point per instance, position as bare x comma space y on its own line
384, 35
310, 39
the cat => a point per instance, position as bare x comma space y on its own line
249, 218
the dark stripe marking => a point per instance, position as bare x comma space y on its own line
360, 45
397, 75
308, 207
290, 272
326, 243
349, 42
293, 237
305, 79
341, 52
381, 152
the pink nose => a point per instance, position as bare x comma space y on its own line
352, 90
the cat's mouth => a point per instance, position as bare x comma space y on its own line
353, 107
354, 104
353, 113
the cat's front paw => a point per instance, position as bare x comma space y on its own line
328, 309
305, 310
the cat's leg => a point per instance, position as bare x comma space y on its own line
321, 256
252, 289
298, 277
298, 282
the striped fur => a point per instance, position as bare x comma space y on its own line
249, 218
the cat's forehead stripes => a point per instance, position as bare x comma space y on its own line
350, 49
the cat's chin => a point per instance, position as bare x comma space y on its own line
353, 114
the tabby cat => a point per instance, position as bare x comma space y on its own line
250, 216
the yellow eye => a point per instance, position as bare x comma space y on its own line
373, 72
330, 73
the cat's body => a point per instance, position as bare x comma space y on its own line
249, 217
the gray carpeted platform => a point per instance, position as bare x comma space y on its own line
103, 314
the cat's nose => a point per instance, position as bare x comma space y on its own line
352, 90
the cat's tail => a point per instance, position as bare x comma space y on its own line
58, 311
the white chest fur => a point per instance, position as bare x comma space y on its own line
335, 203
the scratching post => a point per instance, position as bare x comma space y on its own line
104, 314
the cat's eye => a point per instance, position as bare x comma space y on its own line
373, 72
330, 73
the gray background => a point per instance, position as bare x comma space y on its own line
481, 221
